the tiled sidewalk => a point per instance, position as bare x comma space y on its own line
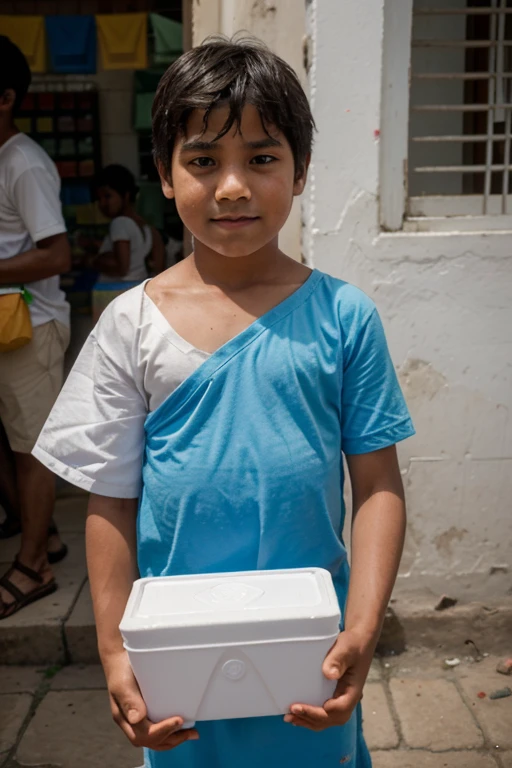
417, 715
60, 627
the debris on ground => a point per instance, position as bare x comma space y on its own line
446, 602
505, 667
481, 695
478, 656
451, 663
498, 569
501, 693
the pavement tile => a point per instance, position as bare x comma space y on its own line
417, 759
14, 708
494, 716
379, 729
375, 672
74, 729
20, 679
416, 663
433, 715
80, 631
34, 634
79, 677
70, 513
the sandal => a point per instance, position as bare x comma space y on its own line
59, 554
12, 527
21, 599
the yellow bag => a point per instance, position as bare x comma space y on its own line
15, 322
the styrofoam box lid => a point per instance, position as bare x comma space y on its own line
212, 609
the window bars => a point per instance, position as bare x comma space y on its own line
460, 108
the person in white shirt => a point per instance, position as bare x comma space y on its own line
130, 243
34, 251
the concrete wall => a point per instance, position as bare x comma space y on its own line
446, 304
282, 26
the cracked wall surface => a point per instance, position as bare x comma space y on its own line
445, 300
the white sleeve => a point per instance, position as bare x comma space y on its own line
36, 197
120, 229
94, 436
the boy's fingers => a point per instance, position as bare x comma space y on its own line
157, 733
303, 724
334, 712
177, 739
315, 715
130, 703
121, 722
336, 661
340, 709
146, 733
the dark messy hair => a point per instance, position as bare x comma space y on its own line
14, 71
237, 72
118, 178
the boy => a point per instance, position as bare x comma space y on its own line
223, 393
34, 251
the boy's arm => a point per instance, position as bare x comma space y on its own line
112, 566
378, 530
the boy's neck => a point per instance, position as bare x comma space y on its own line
262, 266
7, 130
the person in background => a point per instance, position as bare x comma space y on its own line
34, 251
131, 247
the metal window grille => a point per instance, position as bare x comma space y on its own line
460, 108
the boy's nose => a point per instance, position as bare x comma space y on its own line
232, 186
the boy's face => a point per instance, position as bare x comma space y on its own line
233, 194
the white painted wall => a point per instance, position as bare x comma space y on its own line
446, 303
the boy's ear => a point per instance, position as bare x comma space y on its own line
166, 182
7, 99
300, 180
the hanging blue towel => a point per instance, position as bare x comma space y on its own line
72, 44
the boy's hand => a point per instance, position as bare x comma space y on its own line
129, 711
349, 662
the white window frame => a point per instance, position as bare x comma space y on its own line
398, 211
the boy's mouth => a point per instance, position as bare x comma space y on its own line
235, 222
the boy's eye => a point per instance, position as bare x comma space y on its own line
263, 159
203, 162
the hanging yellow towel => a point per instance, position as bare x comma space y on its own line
123, 40
28, 33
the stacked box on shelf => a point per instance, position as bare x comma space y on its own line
66, 124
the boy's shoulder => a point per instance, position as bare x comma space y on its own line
350, 302
121, 319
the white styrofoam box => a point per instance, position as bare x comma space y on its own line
221, 646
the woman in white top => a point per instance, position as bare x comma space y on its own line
130, 241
